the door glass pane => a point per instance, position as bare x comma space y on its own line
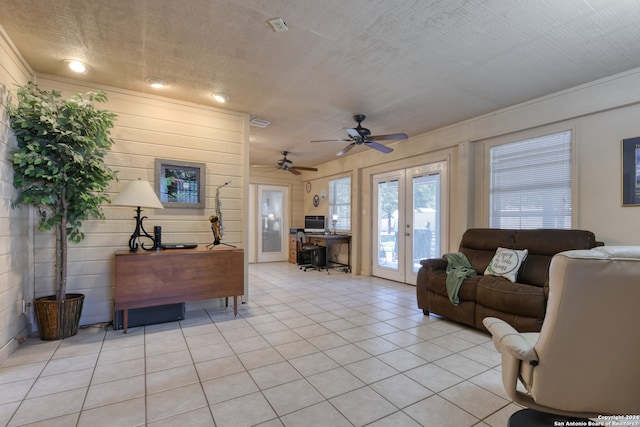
388, 224
271, 224
426, 218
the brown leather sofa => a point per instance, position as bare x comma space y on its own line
521, 304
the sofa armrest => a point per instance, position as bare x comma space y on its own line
434, 263
508, 340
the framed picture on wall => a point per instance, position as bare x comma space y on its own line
180, 184
631, 172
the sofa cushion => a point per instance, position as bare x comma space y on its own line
535, 270
506, 263
479, 245
438, 284
550, 242
500, 294
543, 245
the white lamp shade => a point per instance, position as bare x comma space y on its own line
138, 193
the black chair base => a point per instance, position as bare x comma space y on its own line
305, 267
533, 418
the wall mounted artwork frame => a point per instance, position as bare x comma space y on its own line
631, 171
180, 184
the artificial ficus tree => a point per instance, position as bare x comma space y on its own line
59, 165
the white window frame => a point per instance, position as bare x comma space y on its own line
483, 169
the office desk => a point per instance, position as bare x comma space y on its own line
327, 240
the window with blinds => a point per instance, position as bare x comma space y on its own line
530, 183
340, 203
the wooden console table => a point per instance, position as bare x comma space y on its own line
150, 278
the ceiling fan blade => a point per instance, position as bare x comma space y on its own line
332, 140
346, 149
390, 137
303, 168
379, 147
267, 168
293, 171
353, 133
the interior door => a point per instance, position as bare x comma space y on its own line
272, 223
408, 220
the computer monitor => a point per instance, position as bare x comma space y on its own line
314, 224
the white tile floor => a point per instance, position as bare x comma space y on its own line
309, 349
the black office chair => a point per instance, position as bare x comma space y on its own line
309, 256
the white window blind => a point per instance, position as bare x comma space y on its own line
340, 203
530, 183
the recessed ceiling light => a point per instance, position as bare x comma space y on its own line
77, 66
155, 83
220, 97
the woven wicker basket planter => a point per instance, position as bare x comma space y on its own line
58, 319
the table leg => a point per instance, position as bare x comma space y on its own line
235, 305
326, 255
125, 320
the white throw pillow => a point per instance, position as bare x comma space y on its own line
506, 263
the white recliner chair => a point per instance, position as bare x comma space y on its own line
585, 361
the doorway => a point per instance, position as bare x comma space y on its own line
407, 220
271, 219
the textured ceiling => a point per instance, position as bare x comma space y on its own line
410, 65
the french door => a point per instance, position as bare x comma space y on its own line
408, 220
272, 223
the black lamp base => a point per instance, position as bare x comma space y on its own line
140, 232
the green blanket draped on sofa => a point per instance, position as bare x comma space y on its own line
458, 269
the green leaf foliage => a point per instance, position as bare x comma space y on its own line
59, 164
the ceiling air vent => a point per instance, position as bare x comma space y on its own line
278, 25
259, 123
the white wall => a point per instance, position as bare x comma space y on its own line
15, 232
599, 157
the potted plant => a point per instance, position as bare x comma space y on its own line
59, 169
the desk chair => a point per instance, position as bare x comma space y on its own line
310, 256
584, 361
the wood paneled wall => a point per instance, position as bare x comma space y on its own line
15, 231
150, 127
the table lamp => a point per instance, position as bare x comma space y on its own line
139, 194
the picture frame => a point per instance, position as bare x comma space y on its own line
631, 171
180, 184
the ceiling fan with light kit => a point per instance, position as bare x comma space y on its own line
362, 136
287, 165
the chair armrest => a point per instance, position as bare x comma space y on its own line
508, 340
434, 263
